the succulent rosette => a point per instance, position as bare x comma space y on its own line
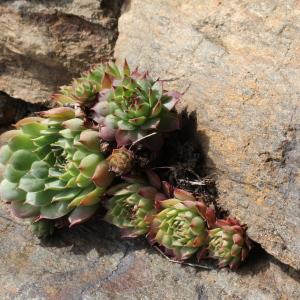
132, 105
228, 243
132, 207
82, 90
52, 168
181, 225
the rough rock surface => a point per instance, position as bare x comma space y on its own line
12, 110
91, 262
43, 44
238, 63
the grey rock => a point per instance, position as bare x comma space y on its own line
92, 262
238, 64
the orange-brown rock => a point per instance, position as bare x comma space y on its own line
43, 44
238, 63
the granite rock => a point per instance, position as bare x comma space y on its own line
238, 64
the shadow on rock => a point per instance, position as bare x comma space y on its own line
184, 161
93, 235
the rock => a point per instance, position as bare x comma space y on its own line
92, 262
7, 110
12, 110
238, 64
43, 45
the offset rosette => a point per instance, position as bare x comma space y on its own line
82, 90
132, 207
128, 106
132, 106
228, 243
52, 168
181, 226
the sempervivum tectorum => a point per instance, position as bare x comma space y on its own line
181, 226
132, 207
132, 106
52, 168
228, 243
82, 90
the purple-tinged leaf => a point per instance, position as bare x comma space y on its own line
81, 214
171, 100
153, 179
124, 138
22, 210
107, 134
238, 239
54, 211
159, 197
148, 192
58, 113
210, 217
183, 195
167, 188
202, 254
136, 74
102, 108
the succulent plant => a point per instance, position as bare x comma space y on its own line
132, 105
181, 226
84, 89
129, 105
52, 168
132, 207
120, 161
42, 228
228, 243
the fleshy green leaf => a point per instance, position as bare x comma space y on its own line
55, 210
88, 196
29, 183
42, 198
13, 175
89, 163
10, 192
5, 154
33, 129
39, 169
67, 195
21, 141
22, 159
56, 185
